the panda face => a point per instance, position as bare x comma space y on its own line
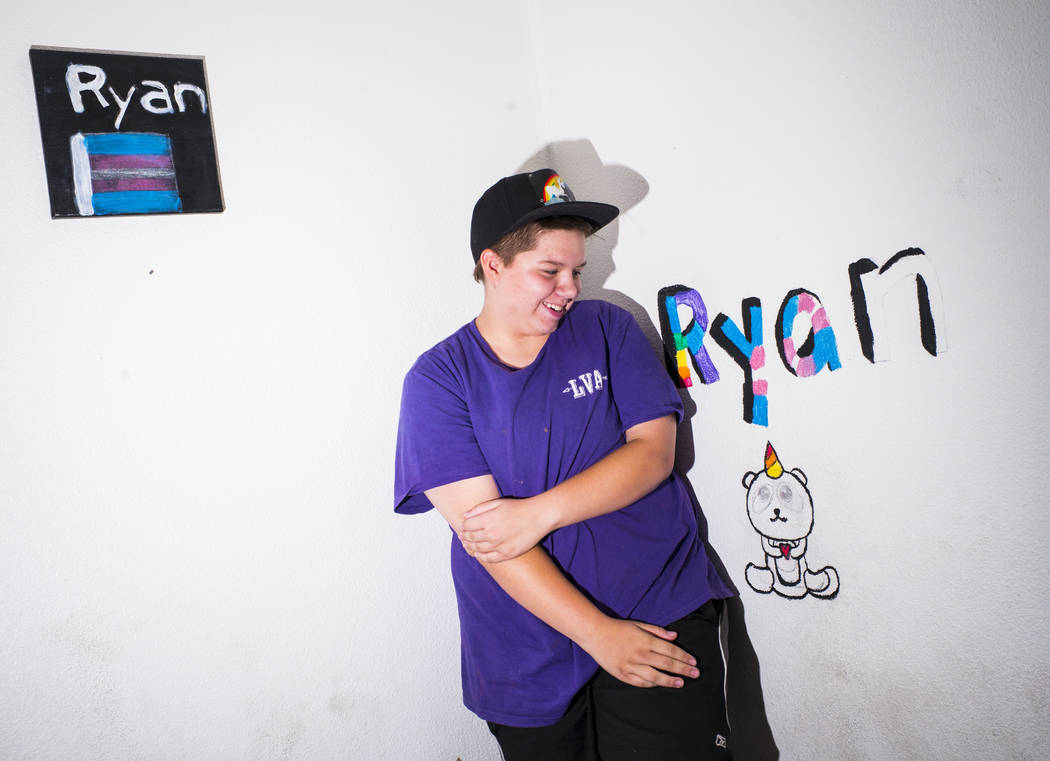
780, 508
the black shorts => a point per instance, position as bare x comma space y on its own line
610, 720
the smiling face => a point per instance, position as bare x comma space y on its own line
529, 296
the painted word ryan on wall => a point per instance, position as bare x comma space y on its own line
803, 333
125, 133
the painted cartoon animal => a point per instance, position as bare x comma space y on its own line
780, 508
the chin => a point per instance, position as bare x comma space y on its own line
548, 325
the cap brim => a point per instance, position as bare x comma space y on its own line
598, 214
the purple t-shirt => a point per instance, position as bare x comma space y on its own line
464, 413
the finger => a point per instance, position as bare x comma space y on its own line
473, 523
482, 552
674, 652
653, 678
637, 681
480, 537
473, 520
671, 665
634, 675
659, 631
481, 509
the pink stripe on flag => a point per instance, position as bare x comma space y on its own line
133, 183
128, 161
758, 357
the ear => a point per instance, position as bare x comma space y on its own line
800, 475
748, 478
491, 264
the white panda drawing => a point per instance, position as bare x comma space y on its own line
780, 508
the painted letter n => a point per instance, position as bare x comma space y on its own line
870, 282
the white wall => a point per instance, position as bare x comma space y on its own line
198, 557
781, 142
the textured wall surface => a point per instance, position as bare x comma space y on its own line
198, 556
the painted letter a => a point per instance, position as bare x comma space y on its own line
819, 348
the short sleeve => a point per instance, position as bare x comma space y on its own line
638, 379
436, 444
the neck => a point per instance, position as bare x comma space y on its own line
512, 347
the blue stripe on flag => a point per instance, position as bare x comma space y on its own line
136, 202
123, 143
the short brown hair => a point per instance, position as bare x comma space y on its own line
524, 238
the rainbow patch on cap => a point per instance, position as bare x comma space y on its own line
555, 191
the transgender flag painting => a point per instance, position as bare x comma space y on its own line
123, 173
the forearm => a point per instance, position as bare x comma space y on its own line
499, 528
637, 653
619, 479
538, 585
531, 579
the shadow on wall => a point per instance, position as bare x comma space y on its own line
578, 162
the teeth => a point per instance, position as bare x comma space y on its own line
555, 307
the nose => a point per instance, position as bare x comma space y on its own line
568, 287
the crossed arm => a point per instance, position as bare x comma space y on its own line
503, 528
503, 535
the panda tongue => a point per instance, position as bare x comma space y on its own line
785, 549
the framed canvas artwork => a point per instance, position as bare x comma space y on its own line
125, 133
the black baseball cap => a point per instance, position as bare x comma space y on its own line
522, 198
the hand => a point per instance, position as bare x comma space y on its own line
502, 528
640, 654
